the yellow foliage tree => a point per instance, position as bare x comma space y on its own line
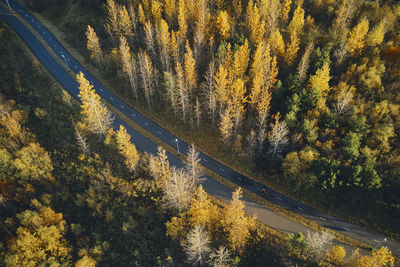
292, 49
222, 84
95, 113
297, 23
376, 35
226, 125
142, 16
321, 79
169, 10
285, 9
356, 39
334, 257
125, 23
159, 167
112, 19
277, 43
128, 66
202, 211
223, 25
93, 45
256, 26
182, 21
127, 149
241, 60
190, 68
236, 223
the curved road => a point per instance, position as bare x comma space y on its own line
146, 145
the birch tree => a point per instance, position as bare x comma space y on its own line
182, 93
95, 114
178, 190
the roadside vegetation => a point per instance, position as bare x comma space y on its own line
305, 93
74, 192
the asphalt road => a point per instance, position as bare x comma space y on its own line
144, 144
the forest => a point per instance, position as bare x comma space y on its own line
306, 93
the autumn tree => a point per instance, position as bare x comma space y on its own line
125, 25
226, 125
197, 246
318, 243
277, 137
39, 239
376, 35
128, 65
193, 166
236, 223
178, 190
112, 26
81, 140
209, 90
159, 167
182, 21
33, 162
127, 149
190, 68
356, 39
291, 49
163, 38
321, 79
241, 60
285, 9
297, 23
202, 211
221, 257
223, 25
277, 43
147, 76
183, 93
256, 26
95, 114
93, 45
150, 39
169, 10
304, 63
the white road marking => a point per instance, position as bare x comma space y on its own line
68, 59
55, 45
222, 169
146, 123
322, 218
111, 98
133, 115
345, 228
159, 132
377, 241
75, 67
299, 208
205, 160
279, 198
101, 90
122, 106
44, 32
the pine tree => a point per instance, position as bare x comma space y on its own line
223, 25
236, 223
124, 22
93, 45
356, 39
241, 60
127, 149
128, 65
94, 112
321, 79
